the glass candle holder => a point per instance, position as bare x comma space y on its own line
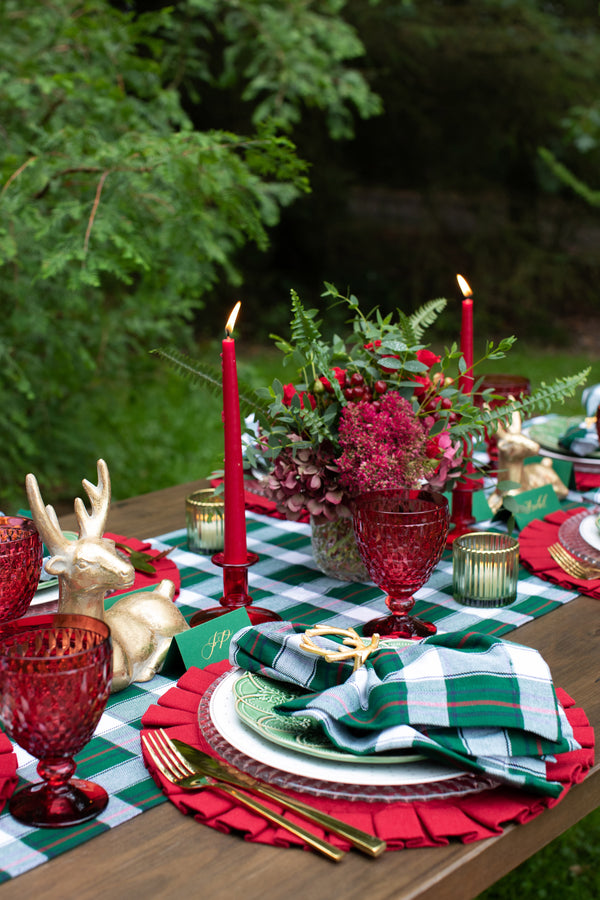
485, 569
205, 521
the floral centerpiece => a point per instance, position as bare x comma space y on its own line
374, 409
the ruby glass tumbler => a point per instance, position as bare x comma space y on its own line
55, 676
20, 565
401, 536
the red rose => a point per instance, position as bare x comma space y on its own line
340, 376
289, 391
428, 358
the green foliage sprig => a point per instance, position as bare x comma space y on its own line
384, 354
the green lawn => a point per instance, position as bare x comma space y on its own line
567, 869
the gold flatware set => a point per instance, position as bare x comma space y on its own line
572, 566
192, 770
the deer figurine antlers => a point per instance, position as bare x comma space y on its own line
142, 624
90, 566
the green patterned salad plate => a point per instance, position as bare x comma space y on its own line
255, 700
548, 430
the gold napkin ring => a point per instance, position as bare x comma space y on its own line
360, 648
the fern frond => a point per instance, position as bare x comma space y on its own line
209, 376
426, 315
541, 400
304, 330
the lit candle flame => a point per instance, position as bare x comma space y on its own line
231, 320
464, 286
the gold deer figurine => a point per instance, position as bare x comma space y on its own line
514, 448
142, 624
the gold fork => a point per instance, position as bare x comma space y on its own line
167, 761
572, 566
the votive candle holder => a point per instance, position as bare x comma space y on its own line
485, 569
205, 521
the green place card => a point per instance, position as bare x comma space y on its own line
206, 643
480, 508
530, 505
563, 468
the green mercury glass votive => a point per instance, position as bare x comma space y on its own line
205, 521
485, 569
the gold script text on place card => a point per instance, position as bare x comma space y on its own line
218, 639
534, 505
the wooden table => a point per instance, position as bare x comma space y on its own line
162, 853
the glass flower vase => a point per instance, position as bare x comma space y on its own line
335, 551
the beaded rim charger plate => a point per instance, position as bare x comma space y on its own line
589, 530
255, 700
547, 433
249, 752
569, 535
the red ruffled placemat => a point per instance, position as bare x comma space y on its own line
534, 541
165, 567
8, 769
417, 823
587, 481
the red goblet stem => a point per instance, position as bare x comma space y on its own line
400, 607
56, 772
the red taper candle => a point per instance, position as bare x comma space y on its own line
466, 336
235, 552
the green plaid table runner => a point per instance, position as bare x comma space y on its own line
285, 580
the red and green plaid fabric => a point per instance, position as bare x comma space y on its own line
286, 580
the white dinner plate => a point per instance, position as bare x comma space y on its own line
229, 725
588, 530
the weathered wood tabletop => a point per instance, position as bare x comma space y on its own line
162, 853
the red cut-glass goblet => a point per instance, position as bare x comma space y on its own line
401, 535
20, 565
55, 676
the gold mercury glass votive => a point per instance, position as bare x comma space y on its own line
205, 521
485, 569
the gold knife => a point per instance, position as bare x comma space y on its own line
220, 771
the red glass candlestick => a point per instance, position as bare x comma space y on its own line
235, 593
462, 519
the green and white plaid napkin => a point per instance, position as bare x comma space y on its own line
487, 704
